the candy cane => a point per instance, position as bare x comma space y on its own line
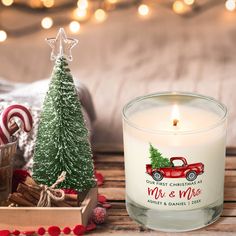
14, 111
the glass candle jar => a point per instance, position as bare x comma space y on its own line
174, 146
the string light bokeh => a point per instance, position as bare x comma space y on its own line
3, 35
74, 27
100, 15
98, 10
143, 10
230, 5
47, 22
7, 2
80, 14
189, 2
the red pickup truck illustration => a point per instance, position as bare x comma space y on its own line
185, 170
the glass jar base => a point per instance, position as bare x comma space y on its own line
174, 221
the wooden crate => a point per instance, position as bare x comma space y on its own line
6, 158
31, 218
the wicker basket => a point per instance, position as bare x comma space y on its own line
7, 153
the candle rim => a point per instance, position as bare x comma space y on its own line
174, 93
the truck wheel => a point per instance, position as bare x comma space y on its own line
191, 175
156, 175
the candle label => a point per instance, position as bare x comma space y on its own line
173, 183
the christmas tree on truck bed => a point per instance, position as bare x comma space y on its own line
157, 159
62, 141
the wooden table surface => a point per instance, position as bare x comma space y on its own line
111, 165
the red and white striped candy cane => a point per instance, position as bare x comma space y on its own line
14, 111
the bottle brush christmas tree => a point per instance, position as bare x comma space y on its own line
62, 141
157, 160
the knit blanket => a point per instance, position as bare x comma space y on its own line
32, 96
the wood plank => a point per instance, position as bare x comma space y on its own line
230, 194
230, 163
229, 183
112, 184
119, 194
113, 194
117, 223
229, 209
119, 208
108, 147
117, 159
105, 166
224, 224
111, 174
102, 148
115, 177
231, 151
104, 232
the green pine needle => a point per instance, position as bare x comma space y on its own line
157, 159
62, 140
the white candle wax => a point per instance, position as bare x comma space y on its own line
193, 138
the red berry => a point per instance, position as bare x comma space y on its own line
70, 191
99, 215
100, 178
5, 233
41, 231
28, 232
106, 205
54, 230
15, 232
90, 227
66, 230
79, 230
102, 198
